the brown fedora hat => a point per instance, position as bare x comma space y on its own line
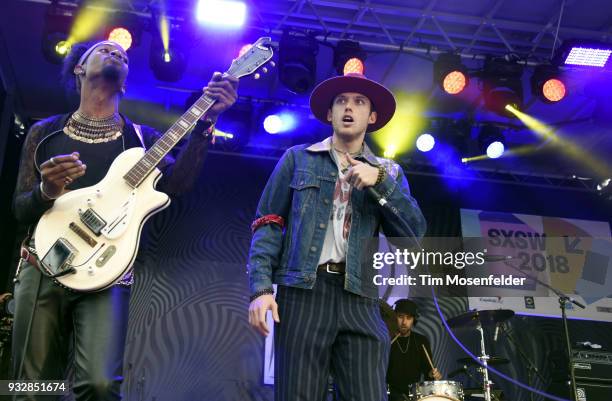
382, 99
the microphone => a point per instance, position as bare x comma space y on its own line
374, 193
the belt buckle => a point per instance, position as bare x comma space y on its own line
330, 271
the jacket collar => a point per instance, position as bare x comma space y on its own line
326, 146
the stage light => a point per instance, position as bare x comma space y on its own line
491, 141
353, 66
297, 64
63, 48
279, 122
554, 90
450, 74
495, 149
502, 86
547, 84
221, 13
121, 36
349, 57
583, 53
425, 142
273, 124
167, 65
390, 151
55, 45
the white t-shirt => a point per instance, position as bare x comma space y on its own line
339, 224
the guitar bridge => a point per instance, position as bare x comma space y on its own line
93, 221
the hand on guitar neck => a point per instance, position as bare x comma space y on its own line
59, 171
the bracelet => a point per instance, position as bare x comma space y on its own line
211, 127
267, 291
45, 196
381, 175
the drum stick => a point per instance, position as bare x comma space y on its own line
395, 338
428, 358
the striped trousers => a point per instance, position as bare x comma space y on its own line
328, 330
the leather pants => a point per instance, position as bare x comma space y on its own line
48, 318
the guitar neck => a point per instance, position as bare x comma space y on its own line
136, 175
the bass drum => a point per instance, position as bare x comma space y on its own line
439, 390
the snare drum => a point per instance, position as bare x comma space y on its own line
440, 390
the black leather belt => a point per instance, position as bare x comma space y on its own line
333, 268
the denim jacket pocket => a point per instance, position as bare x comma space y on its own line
305, 187
303, 179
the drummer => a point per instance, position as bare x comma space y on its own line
408, 362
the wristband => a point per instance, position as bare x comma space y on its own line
267, 291
44, 195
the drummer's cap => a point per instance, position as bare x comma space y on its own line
407, 307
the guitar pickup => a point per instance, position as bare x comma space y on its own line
93, 221
83, 235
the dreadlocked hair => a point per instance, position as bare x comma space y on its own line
72, 83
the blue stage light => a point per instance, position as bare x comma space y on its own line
425, 142
279, 123
273, 124
221, 13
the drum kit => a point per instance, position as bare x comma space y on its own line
448, 390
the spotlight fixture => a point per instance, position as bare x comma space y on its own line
450, 74
221, 13
502, 86
491, 141
583, 53
125, 29
279, 122
57, 24
547, 84
122, 36
297, 64
425, 142
349, 57
170, 65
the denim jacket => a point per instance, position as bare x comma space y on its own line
300, 190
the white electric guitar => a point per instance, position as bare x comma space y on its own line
89, 239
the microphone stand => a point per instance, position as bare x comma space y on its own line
563, 300
531, 367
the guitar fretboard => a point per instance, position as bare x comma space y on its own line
171, 137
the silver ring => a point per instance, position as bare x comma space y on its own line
52, 160
67, 180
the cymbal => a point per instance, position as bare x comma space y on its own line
493, 360
484, 317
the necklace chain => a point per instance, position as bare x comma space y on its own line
403, 351
93, 130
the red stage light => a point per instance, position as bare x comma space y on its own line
553, 90
454, 82
353, 66
121, 36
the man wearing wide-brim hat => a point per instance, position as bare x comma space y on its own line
313, 216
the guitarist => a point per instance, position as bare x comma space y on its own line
72, 151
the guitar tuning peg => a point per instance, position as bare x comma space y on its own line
272, 64
256, 76
264, 70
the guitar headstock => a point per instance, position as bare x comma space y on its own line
252, 59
